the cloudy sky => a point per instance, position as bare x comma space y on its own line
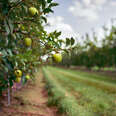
76, 17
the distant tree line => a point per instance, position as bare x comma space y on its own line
93, 52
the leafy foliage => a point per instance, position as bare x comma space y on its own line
16, 24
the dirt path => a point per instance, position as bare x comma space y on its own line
30, 101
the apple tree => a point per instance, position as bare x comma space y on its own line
23, 39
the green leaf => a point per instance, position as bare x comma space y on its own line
11, 82
10, 52
43, 2
49, 1
5, 7
72, 41
67, 41
44, 18
58, 34
53, 4
6, 26
11, 26
48, 10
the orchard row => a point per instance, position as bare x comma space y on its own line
24, 41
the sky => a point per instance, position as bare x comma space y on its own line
77, 17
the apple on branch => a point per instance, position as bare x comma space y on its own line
28, 41
57, 57
33, 11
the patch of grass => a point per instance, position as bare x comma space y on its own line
89, 98
89, 80
90, 75
65, 102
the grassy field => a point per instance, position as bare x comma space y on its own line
77, 93
104, 69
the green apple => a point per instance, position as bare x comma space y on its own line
28, 41
33, 11
18, 80
27, 77
21, 27
18, 73
57, 57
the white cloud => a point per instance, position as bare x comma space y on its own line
99, 2
94, 2
84, 12
57, 23
87, 2
113, 3
87, 9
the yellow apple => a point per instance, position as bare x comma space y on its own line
27, 77
18, 80
57, 57
33, 11
28, 41
22, 27
18, 73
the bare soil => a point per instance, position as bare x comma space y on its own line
31, 100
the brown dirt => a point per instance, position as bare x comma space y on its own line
30, 101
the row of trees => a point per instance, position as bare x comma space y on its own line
93, 52
23, 40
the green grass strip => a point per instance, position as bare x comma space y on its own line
63, 99
91, 75
92, 99
109, 87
